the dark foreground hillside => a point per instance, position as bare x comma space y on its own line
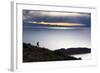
33, 53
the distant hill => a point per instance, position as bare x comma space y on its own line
33, 53
73, 51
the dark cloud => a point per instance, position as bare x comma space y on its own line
48, 16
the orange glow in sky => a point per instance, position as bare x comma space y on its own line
57, 23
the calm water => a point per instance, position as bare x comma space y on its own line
83, 56
58, 38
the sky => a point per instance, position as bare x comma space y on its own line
57, 18
55, 30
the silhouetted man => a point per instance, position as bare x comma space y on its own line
37, 44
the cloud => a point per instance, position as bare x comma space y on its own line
61, 14
52, 16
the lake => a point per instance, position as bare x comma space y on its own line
58, 38
83, 56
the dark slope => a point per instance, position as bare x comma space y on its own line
36, 54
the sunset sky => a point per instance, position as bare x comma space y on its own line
57, 18
55, 30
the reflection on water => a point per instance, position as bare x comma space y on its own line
83, 56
